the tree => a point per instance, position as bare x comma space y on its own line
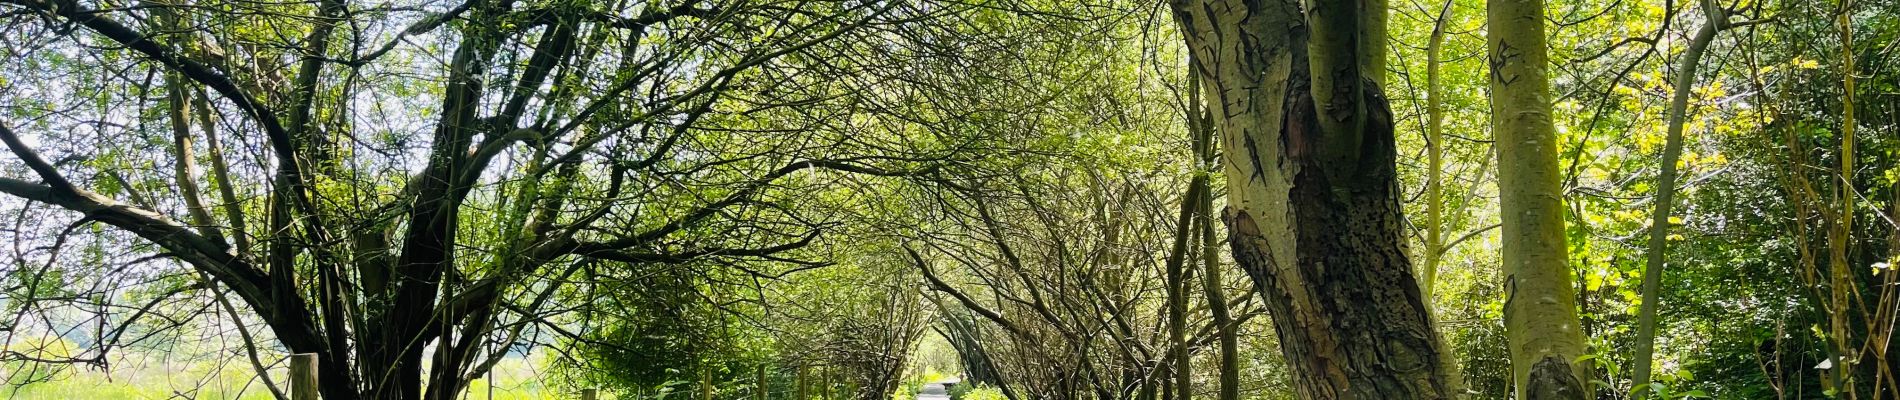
1665, 196
1540, 310
692, 198
1841, 282
602, 149
1212, 285
1434, 154
1313, 215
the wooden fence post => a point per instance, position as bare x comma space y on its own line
303, 376
590, 394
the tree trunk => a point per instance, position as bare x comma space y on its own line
1434, 178
1839, 235
1665, 199
1229, 383
1434, 156
1884, 315
1540, 308
1313, 211
1175, 386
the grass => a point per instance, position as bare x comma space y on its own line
154, 377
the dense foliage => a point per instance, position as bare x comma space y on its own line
851, 199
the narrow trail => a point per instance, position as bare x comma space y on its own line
935, 391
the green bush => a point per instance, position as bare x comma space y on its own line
975, 392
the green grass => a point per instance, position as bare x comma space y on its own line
155, 378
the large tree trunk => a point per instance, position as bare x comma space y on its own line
1313, 212
1540, 310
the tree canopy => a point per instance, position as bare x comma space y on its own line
1104, 199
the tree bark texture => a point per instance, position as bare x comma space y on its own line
1313, 215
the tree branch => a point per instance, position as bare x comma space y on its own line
939, 285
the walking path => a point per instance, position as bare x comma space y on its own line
936, 391
933, 391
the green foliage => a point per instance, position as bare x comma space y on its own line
975, 392
1032, 153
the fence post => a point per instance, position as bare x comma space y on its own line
303, 376
590, 394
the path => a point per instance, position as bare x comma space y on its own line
935, 391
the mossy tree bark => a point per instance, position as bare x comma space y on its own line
1313, 211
